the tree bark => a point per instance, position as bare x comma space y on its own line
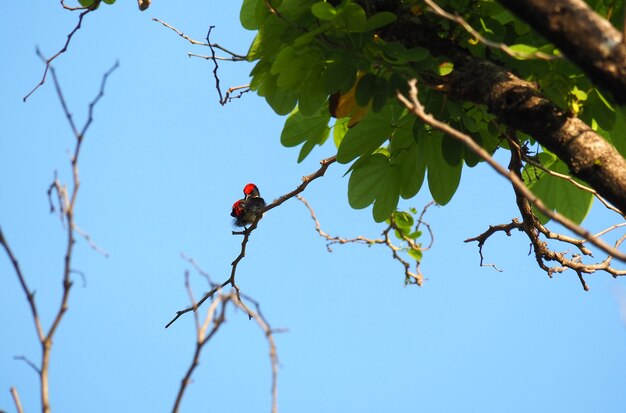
520, 105
586, 38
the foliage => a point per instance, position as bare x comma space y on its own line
311, 55
94, 4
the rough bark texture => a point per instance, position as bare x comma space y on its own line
519, 104
587, 39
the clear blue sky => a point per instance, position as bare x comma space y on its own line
162, 165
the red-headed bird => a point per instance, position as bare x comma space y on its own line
245, 210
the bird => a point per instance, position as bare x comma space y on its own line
245, 210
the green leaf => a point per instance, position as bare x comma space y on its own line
87, 3
416, 54
109, 1
355, 18
415, 254
247, 15
619, 132
556, 193
365, 89
339, 130
379, 20
601, 110
380, 94
387, 199
312, 94
366, 136
282, 101
368, 178
523, 49
403, 220
306, 150
443, 178
340, 76
452, 150
324, 11
299, 128
289, 68
410, 160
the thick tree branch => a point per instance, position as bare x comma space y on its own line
520, 105
586, 38
414, 105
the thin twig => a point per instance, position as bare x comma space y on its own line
434, 7
16, 400
234, 56
386, 240
201, 340
63, 50
29, 362
529, 160
90, 241
325, 163
67, 202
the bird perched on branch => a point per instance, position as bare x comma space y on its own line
246, 209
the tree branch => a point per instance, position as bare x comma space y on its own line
67, 202
414, 105
410, 276
306, 180
63, 50
586, 38
215, 318
520, 105
16, 400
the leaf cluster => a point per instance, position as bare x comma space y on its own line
316, 60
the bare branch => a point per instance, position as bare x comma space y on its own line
67, 201
233, 56
246, 236
199, 269
214, 319
90, 241
416, 276
30, 295
201, 340
29, 362
16, 400
273, 354
49, 61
